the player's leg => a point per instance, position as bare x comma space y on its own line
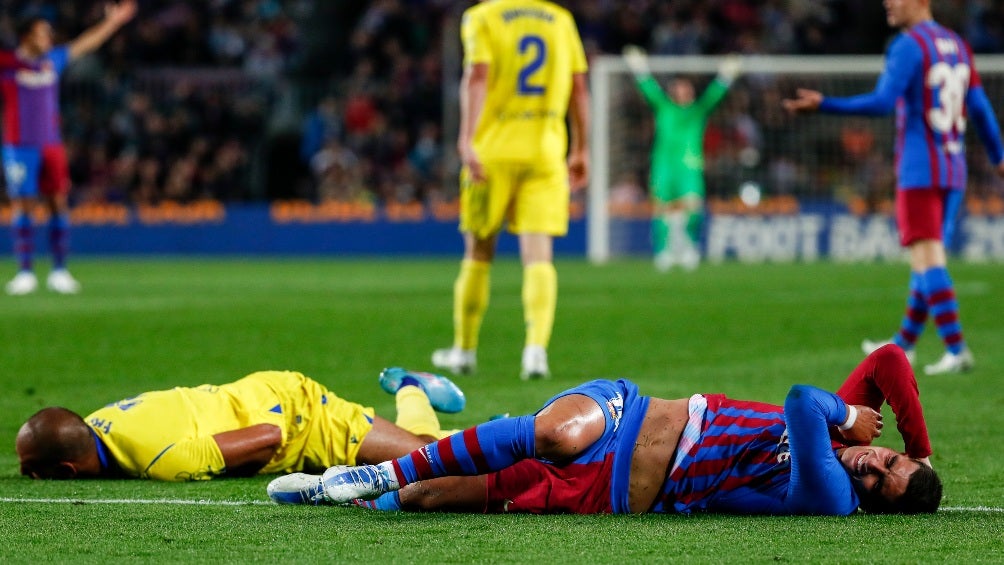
482, 209
446, 494
540, 300
664, 234
932, 214
539, 214
54, 183
21, 170
691, 203
565, 428
417, 396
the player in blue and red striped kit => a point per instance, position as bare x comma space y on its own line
603, 447
931, 82
34, 159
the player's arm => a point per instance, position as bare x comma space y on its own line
885, 375
247, 450
901, 62
234, 453
473, 89
578, 152
116, 16
715, 92
637, 61
819, 484
982, 115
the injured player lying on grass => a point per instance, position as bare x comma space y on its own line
602, 447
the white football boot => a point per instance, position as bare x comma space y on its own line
62, 281
952, 363
534, 363
23, 283
455, 360
868, 347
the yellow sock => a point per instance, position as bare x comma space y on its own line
470, 300
414, 413
540, 298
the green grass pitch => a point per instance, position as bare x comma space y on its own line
747, 330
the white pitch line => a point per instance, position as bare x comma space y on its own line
970, 509
176, 501
186, 502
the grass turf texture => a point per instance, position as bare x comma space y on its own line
747, 330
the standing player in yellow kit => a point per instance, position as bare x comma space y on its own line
524, 71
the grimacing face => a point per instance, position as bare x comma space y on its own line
881, 471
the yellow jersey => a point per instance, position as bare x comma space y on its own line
168, 435
532, 49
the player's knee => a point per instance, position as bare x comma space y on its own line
890, 354
557, 441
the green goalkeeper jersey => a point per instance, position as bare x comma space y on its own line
679, 130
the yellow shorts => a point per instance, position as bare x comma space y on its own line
530, 198
322, 429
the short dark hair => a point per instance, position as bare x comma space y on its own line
27, 25
922, 495
54, 435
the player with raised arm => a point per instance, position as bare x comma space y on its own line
602, 447
34, 158
524, 71
931, 82
676, 178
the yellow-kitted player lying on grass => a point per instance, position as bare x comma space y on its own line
266, 422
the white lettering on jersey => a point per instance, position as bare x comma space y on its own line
35, 79
946, 46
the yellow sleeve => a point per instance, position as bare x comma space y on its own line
474, 35
579, 63
197, 459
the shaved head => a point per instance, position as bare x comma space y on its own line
53, 443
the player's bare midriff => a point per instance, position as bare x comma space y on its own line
657, 440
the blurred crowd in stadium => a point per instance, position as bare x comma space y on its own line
252, 100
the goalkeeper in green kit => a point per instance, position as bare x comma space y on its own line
677, 172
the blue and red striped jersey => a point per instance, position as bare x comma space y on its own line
931, 82
30, 90
757, 458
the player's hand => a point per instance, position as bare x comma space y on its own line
470, 160
805, 101
578, 170
122, 12
636, 59
867, 427
1000, 169
730, 68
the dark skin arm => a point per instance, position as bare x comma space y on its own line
247, 450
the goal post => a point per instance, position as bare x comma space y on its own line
751, 142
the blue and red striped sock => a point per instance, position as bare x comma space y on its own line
59, 239
24, 243
940, 294
482, 449
916, 314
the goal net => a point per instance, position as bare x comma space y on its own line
758, 159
